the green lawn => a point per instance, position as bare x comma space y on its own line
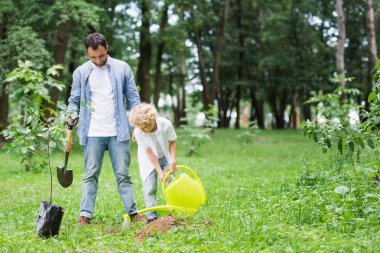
260, 198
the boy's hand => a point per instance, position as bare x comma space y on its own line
162, 177
172, 167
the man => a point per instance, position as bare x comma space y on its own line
101, 89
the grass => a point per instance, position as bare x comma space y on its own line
273, 194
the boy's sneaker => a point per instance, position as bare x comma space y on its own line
137, 217
149, 220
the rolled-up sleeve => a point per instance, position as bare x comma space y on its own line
74, 99
130, 89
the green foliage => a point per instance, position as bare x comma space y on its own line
27, 133
211, 120
337, 197
373, 115
334, 123
261, 198
30, 140
249, 134
28, 87
22, 44
6, 8
195, 136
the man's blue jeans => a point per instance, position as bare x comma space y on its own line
120, 158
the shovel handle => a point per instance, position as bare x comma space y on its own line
69, 133
71, 123
66, 158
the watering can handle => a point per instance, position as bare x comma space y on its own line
180, 167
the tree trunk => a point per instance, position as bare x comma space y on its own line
178, 105
339, 53
218, 53
63, 36
238, 98
277, 102
143, 78
283, 100
4, 97
258, 106
226, 104
295, 114
60, 49
160, 51
182, 84
372, 47
4, 109
201, 64
306, 108
72, 66
240, 66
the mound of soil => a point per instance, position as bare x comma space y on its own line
156, 227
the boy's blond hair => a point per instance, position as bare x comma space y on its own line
143, 116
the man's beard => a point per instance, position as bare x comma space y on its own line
102, 64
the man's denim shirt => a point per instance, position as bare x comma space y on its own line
124, 90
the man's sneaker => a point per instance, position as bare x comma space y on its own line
149, 220
83, 220
137, 217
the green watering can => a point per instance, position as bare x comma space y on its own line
184, 194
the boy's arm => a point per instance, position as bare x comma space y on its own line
153, 159
172, 151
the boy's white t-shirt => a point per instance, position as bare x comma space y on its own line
164, 133
154, 136
103, 121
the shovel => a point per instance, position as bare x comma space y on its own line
65, 176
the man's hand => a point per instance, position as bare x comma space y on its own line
133, 136
69, 141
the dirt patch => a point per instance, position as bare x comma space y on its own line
156, 227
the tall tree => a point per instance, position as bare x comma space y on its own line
160, 51
143, 75
372, 46
17, 46
339, 53
218, 52
241, 59
195, 28
7, 8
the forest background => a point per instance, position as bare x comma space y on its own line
237, 61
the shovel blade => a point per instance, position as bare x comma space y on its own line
65, 176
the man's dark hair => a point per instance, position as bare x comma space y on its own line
94, 40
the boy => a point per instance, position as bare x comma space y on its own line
155, 137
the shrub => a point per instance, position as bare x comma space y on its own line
28, 131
